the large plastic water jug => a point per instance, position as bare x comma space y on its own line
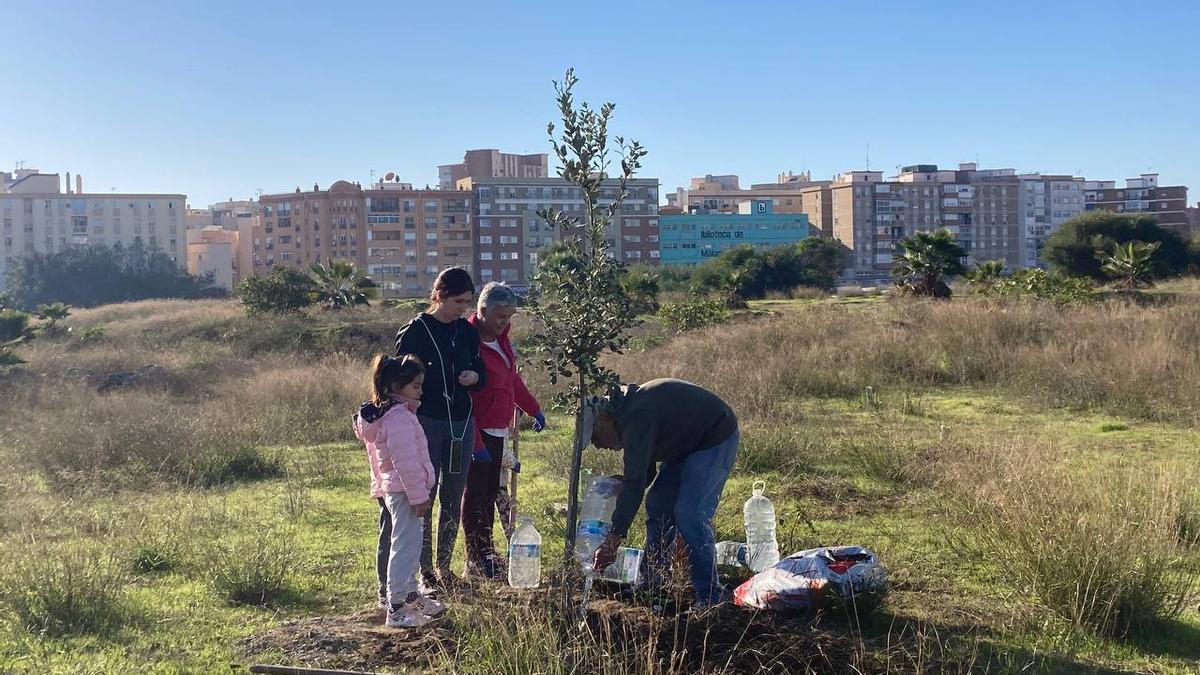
759, 514
525, 555
595, 518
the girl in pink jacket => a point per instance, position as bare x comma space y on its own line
402, 475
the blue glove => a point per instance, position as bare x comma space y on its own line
539, 421
481, 455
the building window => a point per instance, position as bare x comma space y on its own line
485, 239
485, 255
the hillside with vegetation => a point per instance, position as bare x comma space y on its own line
184, 492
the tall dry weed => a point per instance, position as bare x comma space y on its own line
1103, 551
1118, 357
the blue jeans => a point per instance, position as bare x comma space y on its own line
684, 500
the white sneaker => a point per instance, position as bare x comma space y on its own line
405, 615
428, 606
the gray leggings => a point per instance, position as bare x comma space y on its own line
447, 488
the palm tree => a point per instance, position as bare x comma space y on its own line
984, 275
341, 283
52, 314
928, 260
1129, 264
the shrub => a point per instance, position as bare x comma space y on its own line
693, 314
409, 306
812, 262
1113, 426
65, 591
86, 276
1071, 249
258, 567
1042, 285
156, 546
283, 290
13, 325
642, 287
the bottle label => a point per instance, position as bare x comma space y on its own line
593, 528
524, 551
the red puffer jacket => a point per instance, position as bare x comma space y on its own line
504, 390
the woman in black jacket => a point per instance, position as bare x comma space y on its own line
449, 347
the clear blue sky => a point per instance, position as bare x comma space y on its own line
219, 99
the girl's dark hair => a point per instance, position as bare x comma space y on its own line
388, 373
450, 282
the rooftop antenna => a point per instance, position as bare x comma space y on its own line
20, 164
868, 156
371, 180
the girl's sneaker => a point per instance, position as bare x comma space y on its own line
405, 615
383, 602
428, 606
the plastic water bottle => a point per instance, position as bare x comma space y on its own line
525, 555
595, 518
759, 514
733, 553
625, 568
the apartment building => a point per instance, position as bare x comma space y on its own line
871, 215
690, 239
490, 163
721, 194
1141, 195
238, 215
510, 235
401, 236
212, 251
37, 215
1044, 204
816, 202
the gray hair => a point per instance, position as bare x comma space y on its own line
496, 294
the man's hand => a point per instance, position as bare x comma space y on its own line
606, 555
422, 508
468, 378
539, 421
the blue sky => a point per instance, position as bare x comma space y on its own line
219, 99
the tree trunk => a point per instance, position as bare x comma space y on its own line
569, 565
576, 465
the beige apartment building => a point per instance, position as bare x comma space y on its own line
721, 194
38, 216
1141, 195
402, 237
212, 250
490, 163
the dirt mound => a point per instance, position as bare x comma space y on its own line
357, 641
726, 639
618, 633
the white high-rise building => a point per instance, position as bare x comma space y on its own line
1043, 204
37, 216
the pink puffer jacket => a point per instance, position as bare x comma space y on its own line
399, 454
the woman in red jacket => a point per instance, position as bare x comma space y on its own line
503, 393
